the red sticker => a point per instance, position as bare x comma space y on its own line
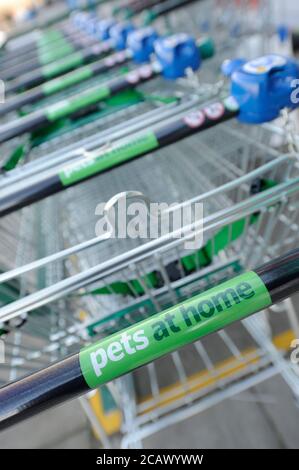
195, 119
214, 111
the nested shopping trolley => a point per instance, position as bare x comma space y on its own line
64, 287
86, 288
80, 97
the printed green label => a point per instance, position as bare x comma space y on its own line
59, 84
175, 327
58, 53
119, 153
49, 36
67, 107
47, 48
61, 66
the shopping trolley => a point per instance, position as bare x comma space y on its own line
80, 31
90, 102
250, 195
13, 154
255, 98
89, 288
30, 31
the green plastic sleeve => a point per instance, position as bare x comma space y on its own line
69, 106
55, 54
119, 153
175, 327
59, 84
57, 68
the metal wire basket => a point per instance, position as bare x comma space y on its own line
64, 287
250, 196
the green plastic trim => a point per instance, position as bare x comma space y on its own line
63, 126
14, 158
206, 48
173, 328
56, 54
68, 80
69, 106
148, 17
60, 66
119, 153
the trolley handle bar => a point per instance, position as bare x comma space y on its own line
119, 154
165, 8
60, 67
186, 322
65, 81
67, 107
134, 8
77, 39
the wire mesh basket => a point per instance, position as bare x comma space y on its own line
227, 47
249, 192
62, 286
